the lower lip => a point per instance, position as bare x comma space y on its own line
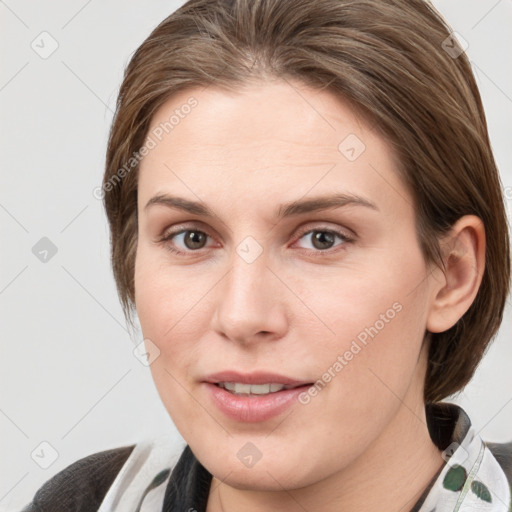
254, 408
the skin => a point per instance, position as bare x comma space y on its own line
296, 307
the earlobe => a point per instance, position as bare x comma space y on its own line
464, 256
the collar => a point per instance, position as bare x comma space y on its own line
471, 478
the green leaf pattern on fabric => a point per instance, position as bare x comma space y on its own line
480, 489
455, 478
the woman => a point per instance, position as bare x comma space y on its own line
307, 219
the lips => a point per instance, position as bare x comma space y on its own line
252, 407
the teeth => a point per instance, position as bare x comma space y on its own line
251, 389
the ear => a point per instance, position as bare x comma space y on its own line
454, 291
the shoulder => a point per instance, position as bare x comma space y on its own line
503, 454
82, 485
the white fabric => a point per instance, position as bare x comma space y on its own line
147, 459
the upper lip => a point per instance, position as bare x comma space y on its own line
260, 377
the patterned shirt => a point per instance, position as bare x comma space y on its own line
159, 476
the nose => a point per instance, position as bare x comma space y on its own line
250, 302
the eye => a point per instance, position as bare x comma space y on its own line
190, 239
322, 239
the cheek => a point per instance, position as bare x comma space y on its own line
387, 297
167, 307
168, 302
377, 324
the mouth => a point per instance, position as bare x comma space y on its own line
253, 397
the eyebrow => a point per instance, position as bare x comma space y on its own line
292, 208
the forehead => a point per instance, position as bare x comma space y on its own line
278, 113
263, 140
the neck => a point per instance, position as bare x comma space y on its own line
389, 476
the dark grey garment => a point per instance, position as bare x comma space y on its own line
81, 486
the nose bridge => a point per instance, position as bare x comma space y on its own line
247, 302
247, 282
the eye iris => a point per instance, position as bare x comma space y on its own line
194, 239
320, 238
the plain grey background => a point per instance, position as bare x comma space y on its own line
70, 384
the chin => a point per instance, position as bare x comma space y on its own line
267, 474
262, 479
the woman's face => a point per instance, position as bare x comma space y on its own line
270, 280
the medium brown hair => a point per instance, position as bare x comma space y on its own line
392, 60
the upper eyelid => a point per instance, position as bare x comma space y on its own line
305, 228
338, 230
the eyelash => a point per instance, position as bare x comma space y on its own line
167, 237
